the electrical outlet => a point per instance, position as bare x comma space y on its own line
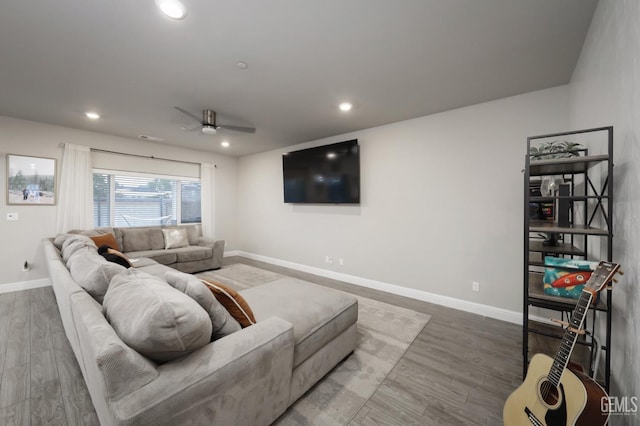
475, 286
341, 261
328, 259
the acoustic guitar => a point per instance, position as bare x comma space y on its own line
554, 394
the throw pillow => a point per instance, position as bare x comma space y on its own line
175, 238
106, 240
223, 323
233, 302
153, 318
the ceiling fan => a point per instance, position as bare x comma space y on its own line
208, 124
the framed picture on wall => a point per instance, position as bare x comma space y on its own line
31, 181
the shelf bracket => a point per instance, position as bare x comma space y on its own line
568, 327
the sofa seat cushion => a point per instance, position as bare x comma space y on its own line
164, 257
157, 269
154, 318
192, 253
318, 314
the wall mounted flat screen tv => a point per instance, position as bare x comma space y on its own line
328, 174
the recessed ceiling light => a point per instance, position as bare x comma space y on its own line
242, 65
225, 144
92, 115
174, 9
345, 106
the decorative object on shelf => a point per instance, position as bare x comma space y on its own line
31, 181
555, 149
551, 239
549, 185
539, 210
566, 277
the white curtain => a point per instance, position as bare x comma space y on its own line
207, 198
75, 205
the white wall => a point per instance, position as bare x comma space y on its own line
441, 202
21, 239
605, 90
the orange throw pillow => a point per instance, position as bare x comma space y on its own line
106, 239
233, 303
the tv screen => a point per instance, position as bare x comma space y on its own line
325, 174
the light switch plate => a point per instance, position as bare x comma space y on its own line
13, 216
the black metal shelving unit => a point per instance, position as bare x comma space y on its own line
590, 218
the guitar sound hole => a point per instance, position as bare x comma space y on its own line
549, 393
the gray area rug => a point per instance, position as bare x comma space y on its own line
384, 334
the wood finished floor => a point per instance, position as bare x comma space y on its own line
458, 371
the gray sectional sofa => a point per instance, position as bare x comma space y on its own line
176, 376
198, 254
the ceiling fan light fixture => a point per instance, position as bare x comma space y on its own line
174, 9
208, 129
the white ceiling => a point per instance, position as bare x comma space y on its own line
394, 60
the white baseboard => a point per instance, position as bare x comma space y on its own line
24, 285
450, 302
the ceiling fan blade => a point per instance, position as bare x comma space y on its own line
184, 111
192, 128
238, 128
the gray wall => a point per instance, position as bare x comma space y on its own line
605, 90
21, 239
441, 202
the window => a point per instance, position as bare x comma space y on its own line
137, 199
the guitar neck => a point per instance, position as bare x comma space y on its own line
570, 337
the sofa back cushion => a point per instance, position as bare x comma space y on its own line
222, 322
194, 232
141, 239
92, 272
153, 318
72, 243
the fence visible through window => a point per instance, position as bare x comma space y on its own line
125, 200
